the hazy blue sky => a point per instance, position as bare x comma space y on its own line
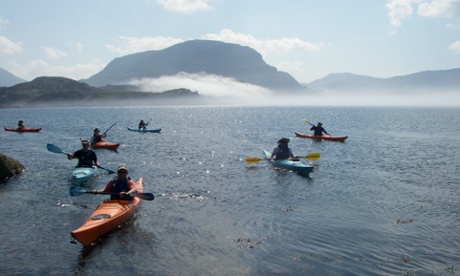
308, 39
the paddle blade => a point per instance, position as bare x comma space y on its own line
305, 121
144, 196
252, 160
54, 149
109, 171
76, 191
313, 156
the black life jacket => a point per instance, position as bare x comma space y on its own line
118, 186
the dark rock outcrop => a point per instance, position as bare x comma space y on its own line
9, 167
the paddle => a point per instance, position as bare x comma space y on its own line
109, 171
312, 156
56, 149
305, 121
109, 128
76, 191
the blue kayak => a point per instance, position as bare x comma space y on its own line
295, 166
144, 130
82, 175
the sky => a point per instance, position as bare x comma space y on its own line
305, 38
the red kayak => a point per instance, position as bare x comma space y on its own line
105, 145
321, 137
24, 129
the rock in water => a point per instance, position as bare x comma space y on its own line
9, 167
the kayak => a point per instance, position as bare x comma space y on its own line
107, 216
82, 175
144, 130
321, 137
295, 166
105, 145
25, 129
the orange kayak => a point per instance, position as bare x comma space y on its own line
321, 137
105, 145
107, 216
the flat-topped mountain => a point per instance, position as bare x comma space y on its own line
197, 57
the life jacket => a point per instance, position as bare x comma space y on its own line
96, 138
86, 159
282, 152
118, 186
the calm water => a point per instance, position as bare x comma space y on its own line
385, 202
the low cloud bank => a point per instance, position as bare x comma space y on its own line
227, 91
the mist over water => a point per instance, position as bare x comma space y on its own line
227, 91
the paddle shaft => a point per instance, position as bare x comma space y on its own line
311, 156
145, 196
109, 128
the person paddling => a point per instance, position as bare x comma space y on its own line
21, 124
282, 151
85, 156
120, 186
143, 125
97, 136
318, 129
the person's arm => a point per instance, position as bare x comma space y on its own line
71, 156
325, 131
95, 160
313, 128
274, 152
132, 187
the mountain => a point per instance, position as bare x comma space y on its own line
196, 57
60, 91
8, 79
421, 82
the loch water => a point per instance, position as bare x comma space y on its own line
384, 202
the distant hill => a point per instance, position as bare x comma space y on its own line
426, 81
8, 79
59, 91
196, 56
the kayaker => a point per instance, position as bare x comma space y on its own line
282, 151
97, 136
319, 129
85, 156
120, 186
143, 125
21, 124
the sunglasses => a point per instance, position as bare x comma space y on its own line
122, 172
